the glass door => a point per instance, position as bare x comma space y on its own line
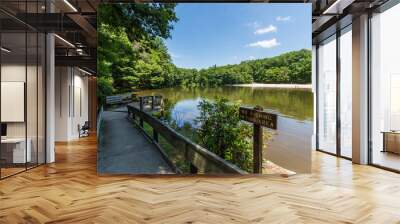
14, 153
22, 101
385, 89
346, 92
326, 108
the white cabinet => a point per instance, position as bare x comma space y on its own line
19, 155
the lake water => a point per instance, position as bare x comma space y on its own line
290, 147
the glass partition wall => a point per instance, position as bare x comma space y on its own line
22, 77
334, 93
345, 62
385, 89
327, 95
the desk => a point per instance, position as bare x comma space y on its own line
14, 150
391, 141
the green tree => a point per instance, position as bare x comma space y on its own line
131, 53
222, 132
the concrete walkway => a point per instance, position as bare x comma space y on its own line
125, 150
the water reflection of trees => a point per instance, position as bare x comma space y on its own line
296, 103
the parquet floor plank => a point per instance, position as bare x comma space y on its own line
70, 191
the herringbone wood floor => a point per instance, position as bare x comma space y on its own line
70, 191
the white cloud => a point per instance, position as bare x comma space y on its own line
283, 18
252, 57
265, 43
267, 29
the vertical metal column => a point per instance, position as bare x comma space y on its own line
317, 97
338, 76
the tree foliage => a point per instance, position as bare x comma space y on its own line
222, 132
291, 67
132, 55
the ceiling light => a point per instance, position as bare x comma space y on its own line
5, 50
79, 51
70, 5
338, 6
331, 7
86, 72
65, 41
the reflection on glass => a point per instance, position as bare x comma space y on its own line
22, 91
394, 102
31, 97
41, 99
385, 93
346, 92
15, 151
327, 95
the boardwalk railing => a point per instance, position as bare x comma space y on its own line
110, 100
99, 121
201, 160
119, 99
152, 101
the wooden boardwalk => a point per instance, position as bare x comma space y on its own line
125, 150
70, 191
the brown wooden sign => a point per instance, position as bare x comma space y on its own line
258, 117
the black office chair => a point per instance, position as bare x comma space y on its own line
84, 130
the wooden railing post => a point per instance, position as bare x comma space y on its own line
155, 135
131, 114
141, 103
193, 169
141, 122
257, 145
152, 102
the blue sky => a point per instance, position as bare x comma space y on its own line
208, 34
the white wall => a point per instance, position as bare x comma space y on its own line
33, 126
62, 85
10, 73
71, 102
80, 109
17, 73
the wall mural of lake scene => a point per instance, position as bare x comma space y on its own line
171, 93
289, 145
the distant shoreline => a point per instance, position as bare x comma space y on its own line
267, 85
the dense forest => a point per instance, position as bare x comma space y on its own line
132, 55
291, 67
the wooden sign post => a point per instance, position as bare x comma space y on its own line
259, 118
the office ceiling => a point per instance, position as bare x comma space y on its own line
75, 21
328, 13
